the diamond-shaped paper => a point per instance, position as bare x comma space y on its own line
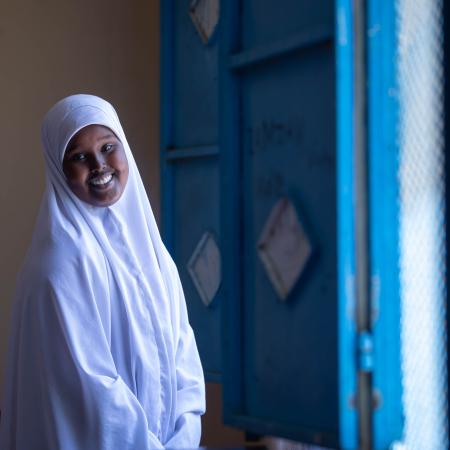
284, 247
204, 266
205, 16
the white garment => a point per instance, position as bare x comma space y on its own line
101, 352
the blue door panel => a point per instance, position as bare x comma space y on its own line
268, 21
289, 150
189, 162
278, 77
196, 210
195, 83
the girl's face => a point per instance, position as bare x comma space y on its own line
96, 166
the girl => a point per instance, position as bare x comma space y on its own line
101, 353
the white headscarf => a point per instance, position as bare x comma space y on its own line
101, 353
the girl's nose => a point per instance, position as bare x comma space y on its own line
97, 162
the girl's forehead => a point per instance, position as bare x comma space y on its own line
89, 135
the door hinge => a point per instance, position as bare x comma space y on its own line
365, 351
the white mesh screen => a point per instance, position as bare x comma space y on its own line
422, 214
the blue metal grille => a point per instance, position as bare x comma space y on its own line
422, 233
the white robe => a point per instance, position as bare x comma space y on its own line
101, 353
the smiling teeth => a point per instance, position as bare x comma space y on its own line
101, 180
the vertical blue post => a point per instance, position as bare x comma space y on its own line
384, 230
346, 227
230, 207
384, 223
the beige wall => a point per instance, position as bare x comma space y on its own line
52, 48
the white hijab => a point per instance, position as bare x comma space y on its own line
101, 353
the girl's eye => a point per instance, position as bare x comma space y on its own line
107, 147
78, 157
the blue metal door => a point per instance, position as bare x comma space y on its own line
278, 164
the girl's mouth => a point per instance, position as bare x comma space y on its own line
101, 181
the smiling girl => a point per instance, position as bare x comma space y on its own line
101, 352
95, 166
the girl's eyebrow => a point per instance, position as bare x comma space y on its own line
107, 136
